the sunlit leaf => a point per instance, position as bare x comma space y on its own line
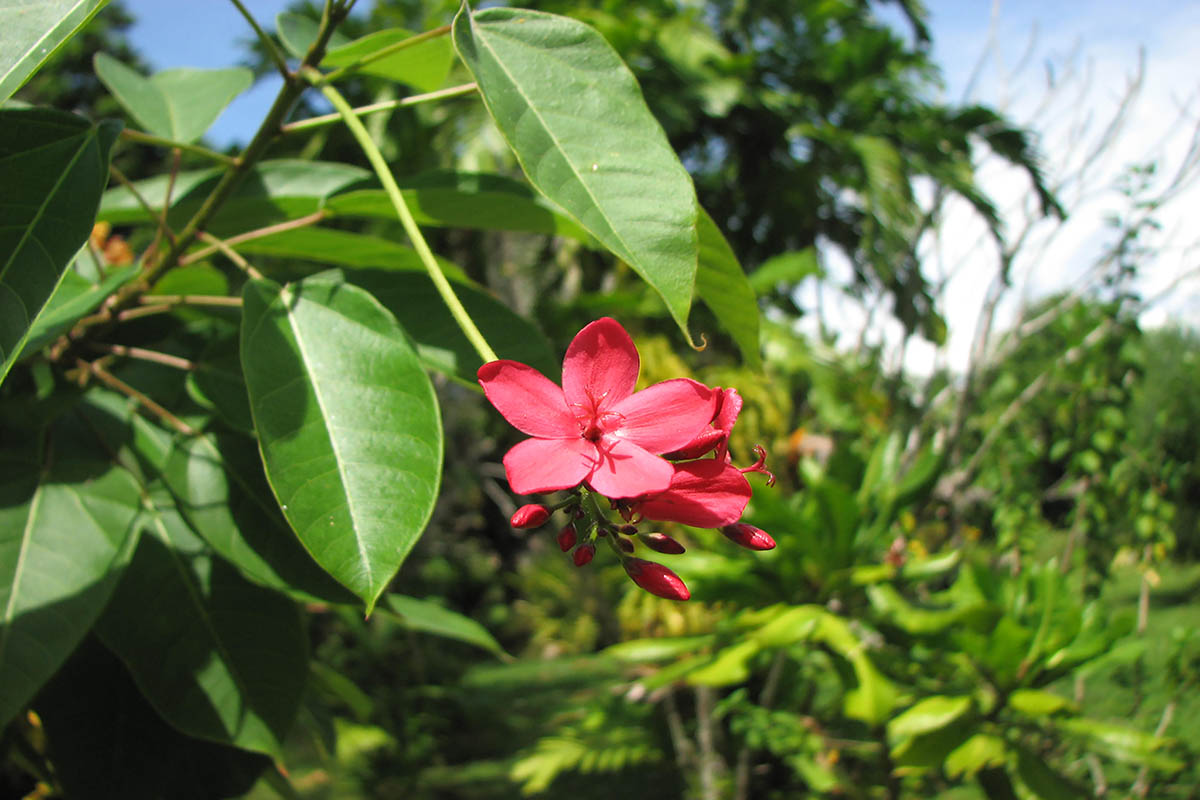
722, 285
176, 104
31, 32
586, 139
929, 714
348, 425
53, 167
423, 66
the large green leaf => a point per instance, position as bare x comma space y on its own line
176, 104
576, 120
32, 30
440, 343
218, 657
722, 285
342, 248
272, 191
220, 491
428, 616
348, 424
423, 66
63, 539
75, 297
108, 743
53, 167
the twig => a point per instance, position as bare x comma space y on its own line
141, 137
257, 233
374, 108
113, 382
1141, 786
142, 201
145, 355
232, 255
162, 303
268, 42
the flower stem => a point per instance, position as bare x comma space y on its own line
406, 218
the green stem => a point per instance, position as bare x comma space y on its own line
145, 138
374, 108
406, 218
269, 43
383, 53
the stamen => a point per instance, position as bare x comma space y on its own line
760, 465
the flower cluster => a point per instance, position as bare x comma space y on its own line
659, 454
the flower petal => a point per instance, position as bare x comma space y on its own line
546, 465
600, 368
528, 399
662, 417
706, 494
626, 470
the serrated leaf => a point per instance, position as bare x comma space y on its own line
31, 32
108, 742
63, 540
53, 167
176, 104
722, 285
348, 425
423, 66
218, 657
429, 617
586, 140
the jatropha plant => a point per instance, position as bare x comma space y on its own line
659, 454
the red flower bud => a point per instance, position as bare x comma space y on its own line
530, 516
583, 554
628, 530
749, 537
661, 543
566, 538
656, 579
626, 545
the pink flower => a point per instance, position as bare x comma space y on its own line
595, 429
708, 493
728, 407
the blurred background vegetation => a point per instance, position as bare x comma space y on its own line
986, 579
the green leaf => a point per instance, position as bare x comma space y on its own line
641, 651
785, 268
979, 752
272, 191
722, 285
343, 248
429, 617
53, 167
932, 748
423, 66
930, 714
221, 493
64, 537
298, 32
101, 730
1037, 702
1044, 782
348, 424
74, 298
576, 120
1122, 742
176, 104
219, 658
31, 32
440, 343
